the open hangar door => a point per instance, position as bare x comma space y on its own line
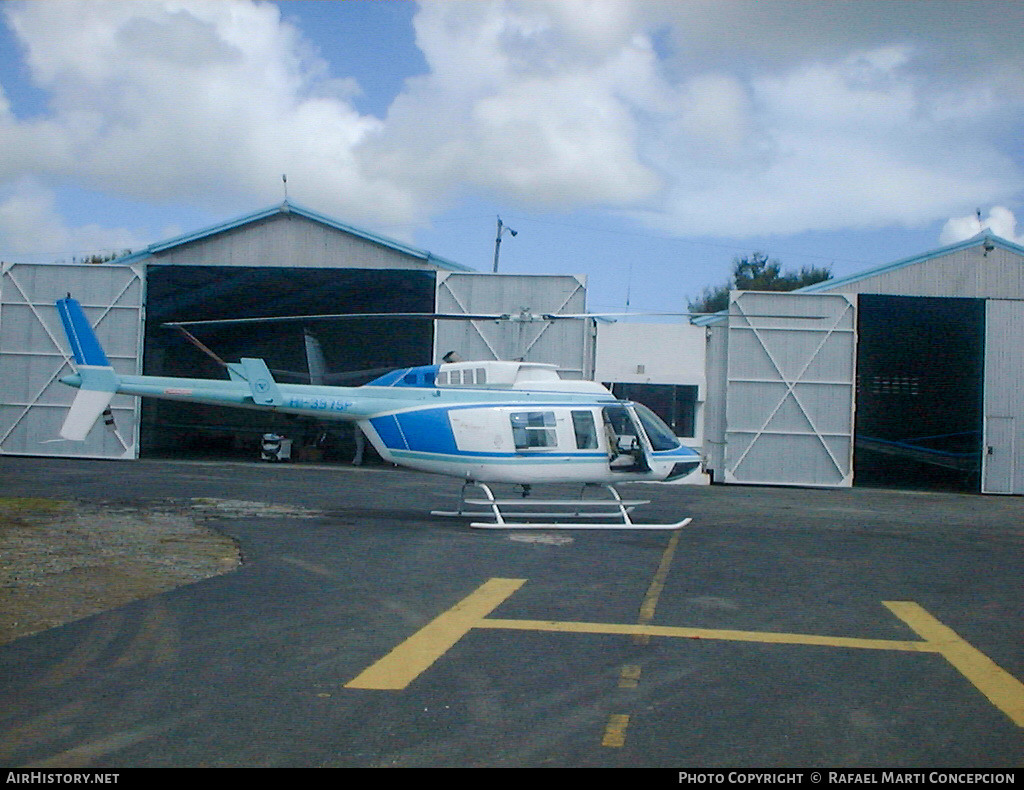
920, 364
354, 351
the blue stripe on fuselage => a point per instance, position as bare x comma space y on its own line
422, 376
681, 453
425, 430
430, 431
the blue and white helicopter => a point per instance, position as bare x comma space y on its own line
484, 422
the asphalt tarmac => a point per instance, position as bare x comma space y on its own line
782, 628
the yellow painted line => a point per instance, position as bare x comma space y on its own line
710, 633
615, 730
1002, 689
629, 677
650, 602
417, 653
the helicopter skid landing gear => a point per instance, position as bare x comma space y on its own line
502, 510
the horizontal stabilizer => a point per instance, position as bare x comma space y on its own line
85, 410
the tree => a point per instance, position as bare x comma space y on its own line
106, 256
755, 272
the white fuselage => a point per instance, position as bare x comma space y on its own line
485, 421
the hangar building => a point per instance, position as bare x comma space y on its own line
285, 260
911, 373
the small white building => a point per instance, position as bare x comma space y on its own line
662, 366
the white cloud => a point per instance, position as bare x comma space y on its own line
828, 146
960, 42
702, 117
1000, 221
208, 102
32, 229
526, 101
575, 105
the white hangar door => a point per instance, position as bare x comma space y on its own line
34, 355
790, 389
567, 343
1003, 446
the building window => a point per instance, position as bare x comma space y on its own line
676, 404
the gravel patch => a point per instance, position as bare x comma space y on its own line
64, 560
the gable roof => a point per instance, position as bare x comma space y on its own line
985, 237
291, 208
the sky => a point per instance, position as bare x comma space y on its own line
644, 144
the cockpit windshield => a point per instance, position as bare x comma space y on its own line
659, 434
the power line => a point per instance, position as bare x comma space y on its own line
679, 240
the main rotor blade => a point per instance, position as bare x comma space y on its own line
338, 317
523, 316
198, 344
723, 314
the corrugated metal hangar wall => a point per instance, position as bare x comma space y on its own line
282, 261
910, 374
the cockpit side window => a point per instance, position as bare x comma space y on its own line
618, 420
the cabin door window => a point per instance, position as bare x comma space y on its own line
533, 430
585, 428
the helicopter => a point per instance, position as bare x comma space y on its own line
484, 422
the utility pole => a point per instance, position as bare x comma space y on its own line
497, 242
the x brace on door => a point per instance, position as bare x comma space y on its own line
791, 383
43, 384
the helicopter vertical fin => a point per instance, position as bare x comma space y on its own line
97, 382
314, 359
85, 346
261, 382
